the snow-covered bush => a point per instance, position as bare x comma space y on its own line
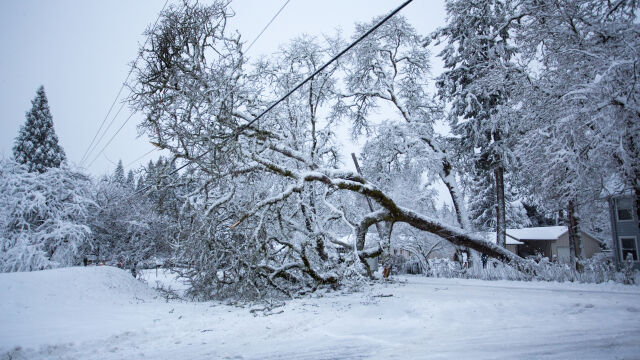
597, 269
126, 228
42, 217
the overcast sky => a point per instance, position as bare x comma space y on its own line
81, 51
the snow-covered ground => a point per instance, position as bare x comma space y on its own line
103, 313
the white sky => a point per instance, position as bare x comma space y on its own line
81, 50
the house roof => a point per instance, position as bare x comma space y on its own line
538, 233
516, 236
545, 233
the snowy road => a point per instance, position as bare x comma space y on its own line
102, 313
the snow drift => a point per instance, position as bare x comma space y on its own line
70, 303
104, 313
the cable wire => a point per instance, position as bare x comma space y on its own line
109, 160
86, 154
265, 28
362, 37
111, 139
92, 148
257, 118
141, 157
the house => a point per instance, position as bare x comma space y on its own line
511, 242
549, 241
624, 228
403, 253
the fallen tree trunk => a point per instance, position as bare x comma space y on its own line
347, 180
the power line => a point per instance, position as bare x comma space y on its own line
130, 71
92, 148
121, 88
109, 160
266, 26
362, 37
242, 128
102, 123
111, 139
141, 157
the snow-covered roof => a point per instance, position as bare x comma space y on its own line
516, 236
538, 233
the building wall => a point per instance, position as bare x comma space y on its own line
590, 246
563, 241
628, 228
405, 254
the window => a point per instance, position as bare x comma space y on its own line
624, 214
629, 248
624, 210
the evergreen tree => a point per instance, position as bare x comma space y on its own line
537, 216
482, 201
37, 144
118, 174
131, 180
482, 206
479, 72
164, 185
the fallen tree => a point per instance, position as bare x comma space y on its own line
268, 208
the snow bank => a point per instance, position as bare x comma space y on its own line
165, 280
103, 313
94, 285
60, 303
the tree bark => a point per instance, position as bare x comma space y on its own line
448, 177
501, 222
637, 191
575, 246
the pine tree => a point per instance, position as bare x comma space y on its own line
482, 201
131, 180
482, 206
476, 81
37, 144
118, 174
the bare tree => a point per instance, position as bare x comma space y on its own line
392, 67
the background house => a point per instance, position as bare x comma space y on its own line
549, 241
511, 242
624, 228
